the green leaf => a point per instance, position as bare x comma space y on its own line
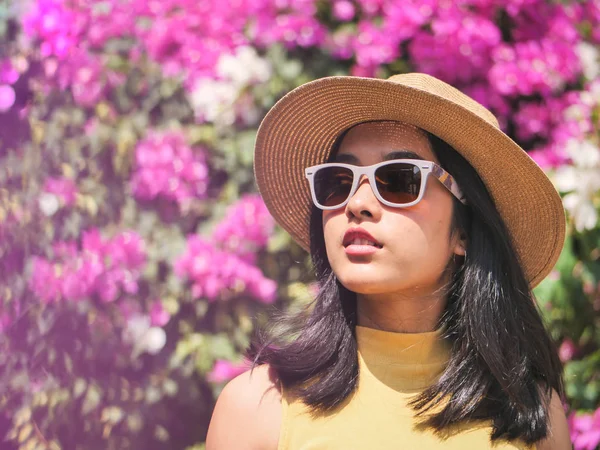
24, 432
79, 387
197, 447
22, 416
221, 347
170, 387
153, 395
279, 240
161, 433
91, 400
135, 422
591, 392
112, 415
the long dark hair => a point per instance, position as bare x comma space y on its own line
503, 364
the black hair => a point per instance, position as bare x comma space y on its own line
503, 364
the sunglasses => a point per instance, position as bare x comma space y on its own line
398, 183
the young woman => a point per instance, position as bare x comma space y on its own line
428, 227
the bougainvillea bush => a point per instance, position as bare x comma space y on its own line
135, 254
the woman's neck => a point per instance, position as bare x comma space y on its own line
402, 361
399, 314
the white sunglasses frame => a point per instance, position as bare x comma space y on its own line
426, 167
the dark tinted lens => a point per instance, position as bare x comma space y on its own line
399, 182
332, 185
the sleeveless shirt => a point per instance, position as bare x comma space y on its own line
393, 368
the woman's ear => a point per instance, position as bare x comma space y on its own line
460, 246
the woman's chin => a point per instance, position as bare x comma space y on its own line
361, 282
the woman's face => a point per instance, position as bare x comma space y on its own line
416, 241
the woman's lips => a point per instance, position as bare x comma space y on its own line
356, 250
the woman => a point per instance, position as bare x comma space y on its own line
428, 227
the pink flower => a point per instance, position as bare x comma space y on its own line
44, 281
224, 370
458, 48
538, 66
567, 350
67, 33
585, 430
63, 188
591, 15
403, 20
371, 7
8, 73
340, 44
7, 97
167, 167
373, 45
537, 20
532, 119
103, 268
10, 310
548, 157
293, 30
158, 314
126, 249
88, 83
5, 322
560, 120
343, 10
215, 273
129, 307
490, 98
246, 227
265, 289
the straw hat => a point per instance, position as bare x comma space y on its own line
300, 129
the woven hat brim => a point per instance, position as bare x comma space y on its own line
301, 128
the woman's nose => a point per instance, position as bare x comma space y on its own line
364, 202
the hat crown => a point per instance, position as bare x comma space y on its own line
427, 83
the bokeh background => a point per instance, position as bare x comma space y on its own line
136, 257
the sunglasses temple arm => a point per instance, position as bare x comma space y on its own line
449, 182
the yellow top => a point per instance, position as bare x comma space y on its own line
393, 367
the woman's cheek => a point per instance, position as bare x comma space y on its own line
331, 234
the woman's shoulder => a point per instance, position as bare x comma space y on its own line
559, 437
248, 412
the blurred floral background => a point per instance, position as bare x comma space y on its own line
136, 257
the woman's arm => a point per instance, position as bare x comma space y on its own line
247, 415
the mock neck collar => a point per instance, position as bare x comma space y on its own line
403, 361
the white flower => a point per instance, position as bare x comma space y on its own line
588, 55
244, 67
155, 340
581, 182
144, 337
213, 101
584, 154
584, 214
48, 203
137, 325
593, 89
575, 112
566, 178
